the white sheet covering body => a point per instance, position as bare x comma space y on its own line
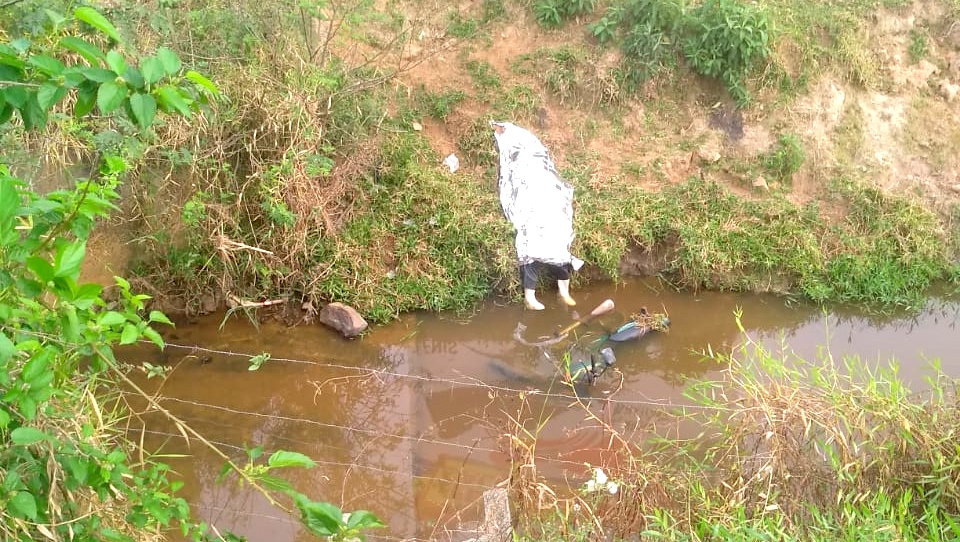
534, 198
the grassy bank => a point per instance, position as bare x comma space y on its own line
318, 178
788, 449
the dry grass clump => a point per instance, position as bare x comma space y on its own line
813, 448
591, 511
792, 435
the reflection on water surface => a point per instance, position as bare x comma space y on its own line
409, 421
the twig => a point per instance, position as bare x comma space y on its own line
237, 302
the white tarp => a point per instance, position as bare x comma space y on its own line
534, 198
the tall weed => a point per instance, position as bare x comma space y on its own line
787, 449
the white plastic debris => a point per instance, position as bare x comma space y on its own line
600, 482
452, 162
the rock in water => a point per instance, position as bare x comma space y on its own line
342, 318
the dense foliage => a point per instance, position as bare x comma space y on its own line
68, 470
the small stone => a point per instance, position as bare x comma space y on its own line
209, 304
343, 318
417, 126
709, 152
948, 90
760, 182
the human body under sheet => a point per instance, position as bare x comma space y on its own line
539, 204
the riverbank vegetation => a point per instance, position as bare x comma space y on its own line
319, 178
781, 448
70, 462
792, 154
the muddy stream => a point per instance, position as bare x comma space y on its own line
409, 420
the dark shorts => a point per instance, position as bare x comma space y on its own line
531, 273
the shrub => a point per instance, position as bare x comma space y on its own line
552, 13
724, 39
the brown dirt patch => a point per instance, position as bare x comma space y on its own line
659, 137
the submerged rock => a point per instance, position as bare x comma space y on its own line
343, 318
497, 521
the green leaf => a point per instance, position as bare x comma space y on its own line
320, 518
50, 94
98, 75
116, 62
363, 519
144, 109
10, 57
15, 96
130, 334
153, 336
274, 484
152, 69
111, 319
87, 295
30, 288
110, 96
70, 324
86, 99
34, 117
24, 505
202, 81
73, 77
6, 111
123, 283
171, 100
157, 316
68, 259
34, 367
7, 348
9, 204
9, 73
283, 458
133, 77
93, 18
224, 471
84, 48
25, 436
169, 60
4, 419
46, 64
27, 407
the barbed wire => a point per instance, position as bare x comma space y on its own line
369, 432
466, 381
326, 463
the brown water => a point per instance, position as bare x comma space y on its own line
409, 421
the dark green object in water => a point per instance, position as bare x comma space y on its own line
639, 325
586, 369
586, 365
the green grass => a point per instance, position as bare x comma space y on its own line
440, 241
784, 449
886, 253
